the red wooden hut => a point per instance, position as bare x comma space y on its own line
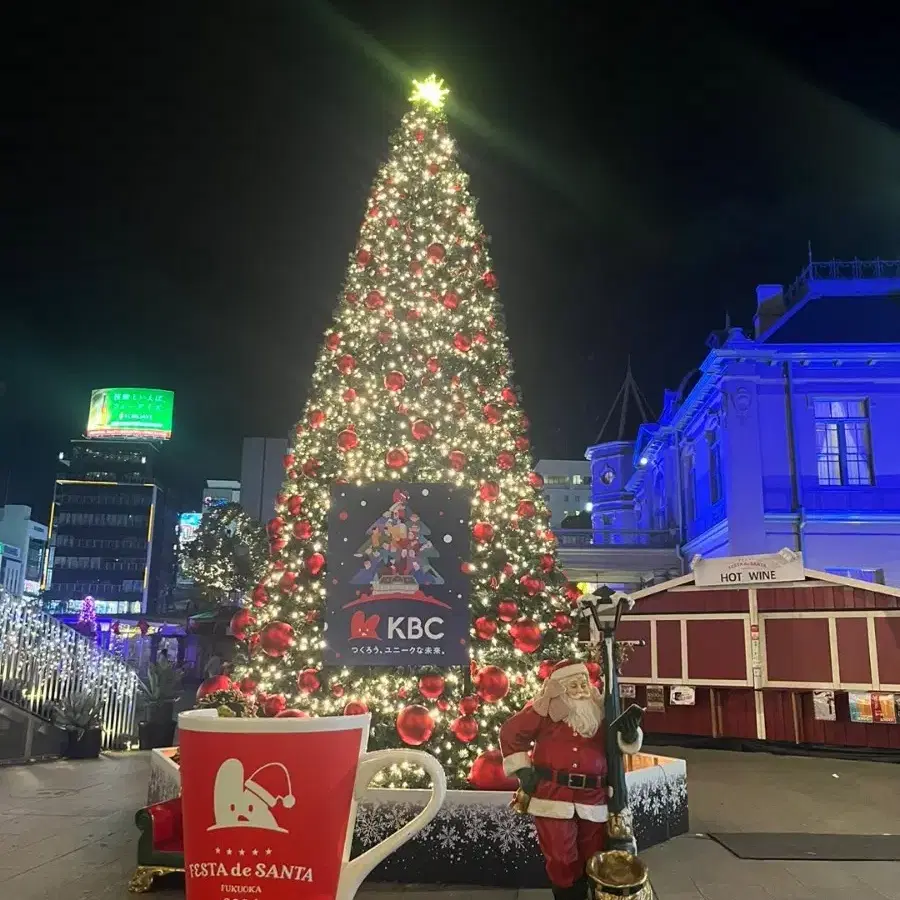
755, 656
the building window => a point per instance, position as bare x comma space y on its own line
715, 466
843, 448
660, 516
690, 488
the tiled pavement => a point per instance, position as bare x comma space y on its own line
66, 831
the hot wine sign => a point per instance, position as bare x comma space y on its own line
397, 594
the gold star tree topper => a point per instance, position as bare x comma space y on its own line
431, 92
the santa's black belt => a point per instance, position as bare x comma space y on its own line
576, 780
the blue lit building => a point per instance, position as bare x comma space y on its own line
789, 438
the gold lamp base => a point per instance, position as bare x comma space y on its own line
617, 873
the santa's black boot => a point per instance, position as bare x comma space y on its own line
577, 891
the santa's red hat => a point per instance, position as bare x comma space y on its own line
567, 668
271, 783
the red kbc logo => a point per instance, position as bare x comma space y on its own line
364, 629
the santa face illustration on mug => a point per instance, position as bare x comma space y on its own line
250, 802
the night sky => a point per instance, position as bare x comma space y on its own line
183, 183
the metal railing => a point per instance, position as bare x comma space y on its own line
840, 270
613, 537
44, 663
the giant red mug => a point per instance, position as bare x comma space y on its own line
269, 805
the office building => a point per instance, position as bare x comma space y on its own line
18, 530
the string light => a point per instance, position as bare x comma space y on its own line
420, 300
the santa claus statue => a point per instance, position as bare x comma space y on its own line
564, 775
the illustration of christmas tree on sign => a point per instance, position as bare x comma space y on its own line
414, 384
397, 555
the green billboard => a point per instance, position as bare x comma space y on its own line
139, 413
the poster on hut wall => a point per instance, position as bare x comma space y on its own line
823, 706
682, 695
396, 593
627, 691
872, 708
656, 698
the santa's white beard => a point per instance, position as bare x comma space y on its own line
584, 717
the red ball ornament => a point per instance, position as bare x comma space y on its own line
420, 136
337, 690
277, 546
333, 341
308, 681
487, 773
247, 686
547, 562
509, 396
464, 729
421, 429
526, 509
415, 725
526, 635
483, 532
395, 381
351, 298
346, 364
507, 610
355, 708
522, 443
451, 300
373, 212
561, 622
275, 526
468, 706
315, 562
384, 337
595, 673
572, 592
415, 268
457, 460
393, 222
485, 628
316, 418
212, 685
276, 639
292, 714
435, 253
294, 504
489, 491
374, 300
273, 705
490, 281
433, 365
531, 584
492, 415
492, 684
240, 622
545, 669
347, 440
433, 168
413, 315
480, 337
350, 395
505, 460
459, 408
302, 530
396, 458
462, 342
363, 257
431, 686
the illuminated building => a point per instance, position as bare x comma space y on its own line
111, 535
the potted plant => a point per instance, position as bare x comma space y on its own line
162, 689
79, 716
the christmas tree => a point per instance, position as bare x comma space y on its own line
414, 386
87, 617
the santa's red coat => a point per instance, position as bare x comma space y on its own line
558, 747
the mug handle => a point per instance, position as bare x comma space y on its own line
354, 872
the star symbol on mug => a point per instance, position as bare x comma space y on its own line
256, 852
240, 852
268, 851
228, 851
